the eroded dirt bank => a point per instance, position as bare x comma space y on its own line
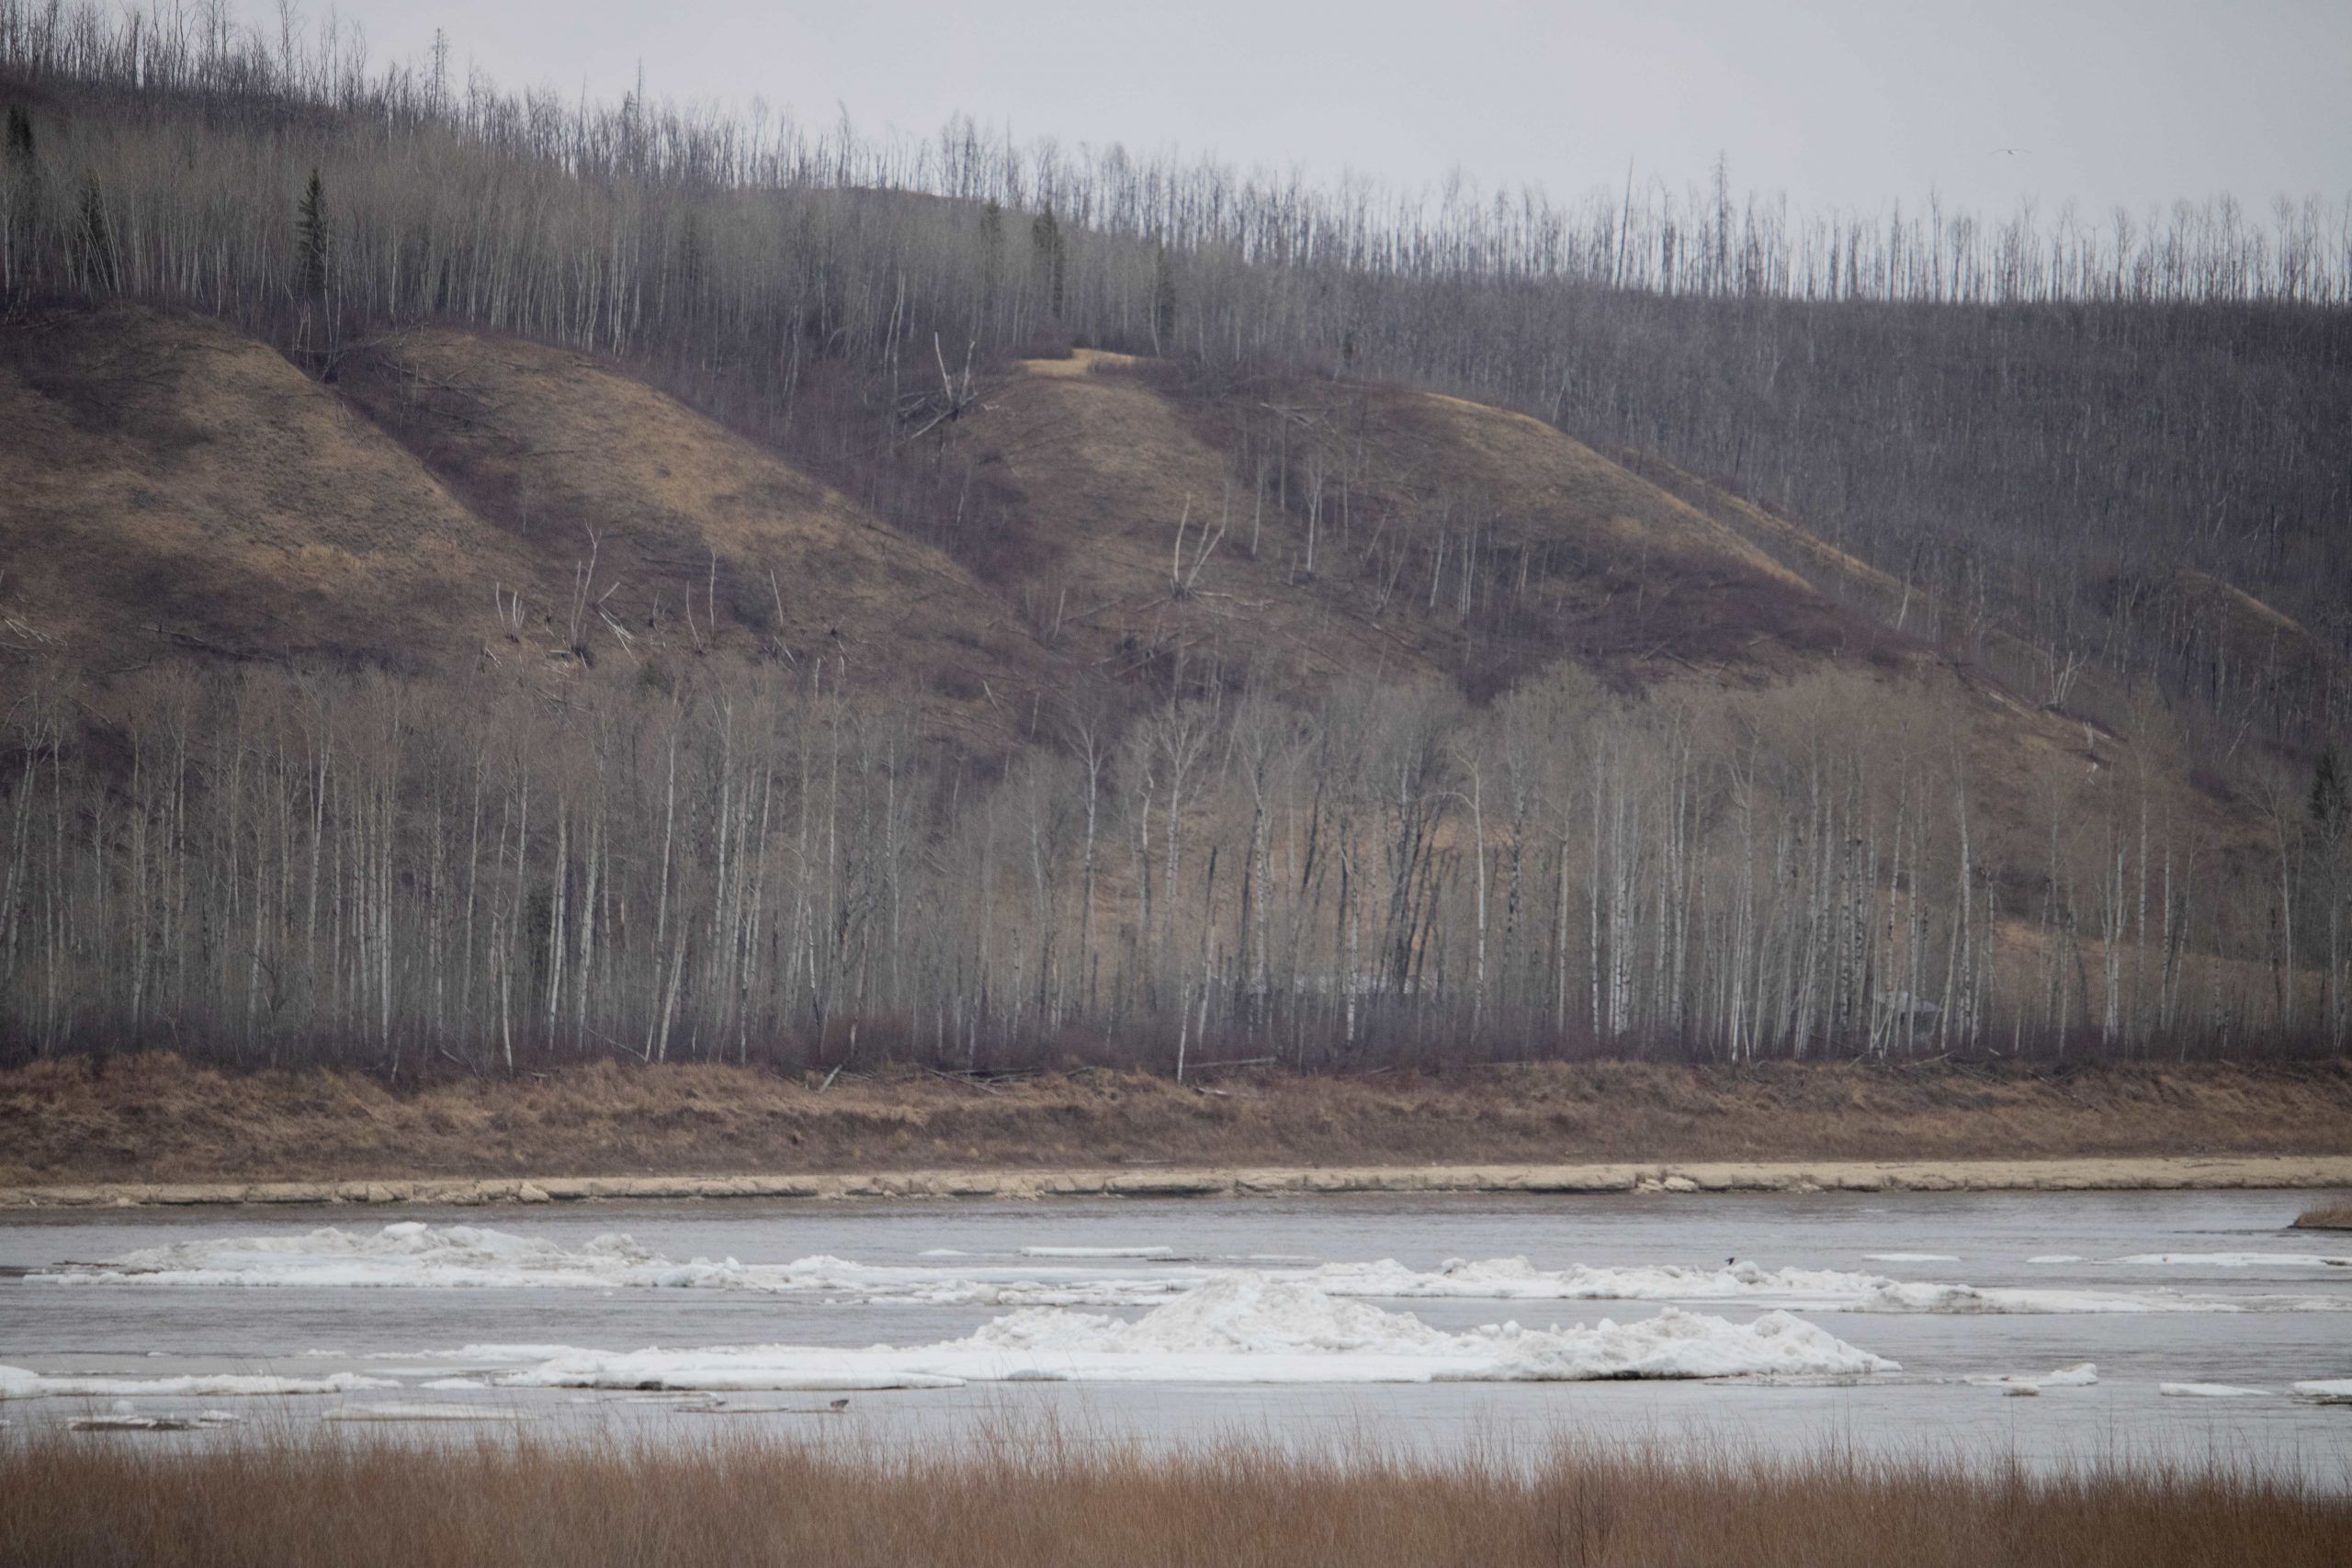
133, 1126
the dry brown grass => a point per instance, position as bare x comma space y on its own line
549, 444
1044, 1504
2326, 1217
172, 482
159, 1118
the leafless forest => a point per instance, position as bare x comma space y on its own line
2048, 435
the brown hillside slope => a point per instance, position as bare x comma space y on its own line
1578, 558
700, 539
1099, 472
167, 483
1305, 529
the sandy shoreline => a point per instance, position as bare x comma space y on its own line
2186, 1173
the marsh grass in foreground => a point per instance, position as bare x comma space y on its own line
1048, 1502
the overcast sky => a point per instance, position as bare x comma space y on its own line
1840, 103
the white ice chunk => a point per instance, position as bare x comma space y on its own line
2057, 1257
2082, 1375
1972, 1300
2238, 1260
1515, 1278
415, 1254
18, 1382
2206, 1391
1243, 1328
126, 1420
2328, 1391
451, 1411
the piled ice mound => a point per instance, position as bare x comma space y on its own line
412, 1253
1244, 1327
1255, 1315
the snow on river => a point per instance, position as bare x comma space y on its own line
1785, 1319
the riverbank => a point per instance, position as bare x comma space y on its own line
155, 1129
1045, 1502
2267, 1172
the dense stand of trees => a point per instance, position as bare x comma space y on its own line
2044, 424
282, 867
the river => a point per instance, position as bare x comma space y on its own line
473, 1311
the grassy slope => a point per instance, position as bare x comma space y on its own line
188, 489
172, 484
156, 1117
176, 488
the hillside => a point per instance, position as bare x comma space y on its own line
1438, 680
173, 485
700, 542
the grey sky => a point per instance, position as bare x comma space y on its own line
1841, 102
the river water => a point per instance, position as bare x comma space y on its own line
2189, 1287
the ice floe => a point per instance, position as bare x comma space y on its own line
2082, 1375
125, 1418
2237, 1260
2326, 1390
1972, 1300
1242, 1327
2207, 1391
415, 1254
19, 1383
449, 1410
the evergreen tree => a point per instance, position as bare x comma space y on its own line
311, 243
1052, 257
2331, 798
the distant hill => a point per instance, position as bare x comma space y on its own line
483, 577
